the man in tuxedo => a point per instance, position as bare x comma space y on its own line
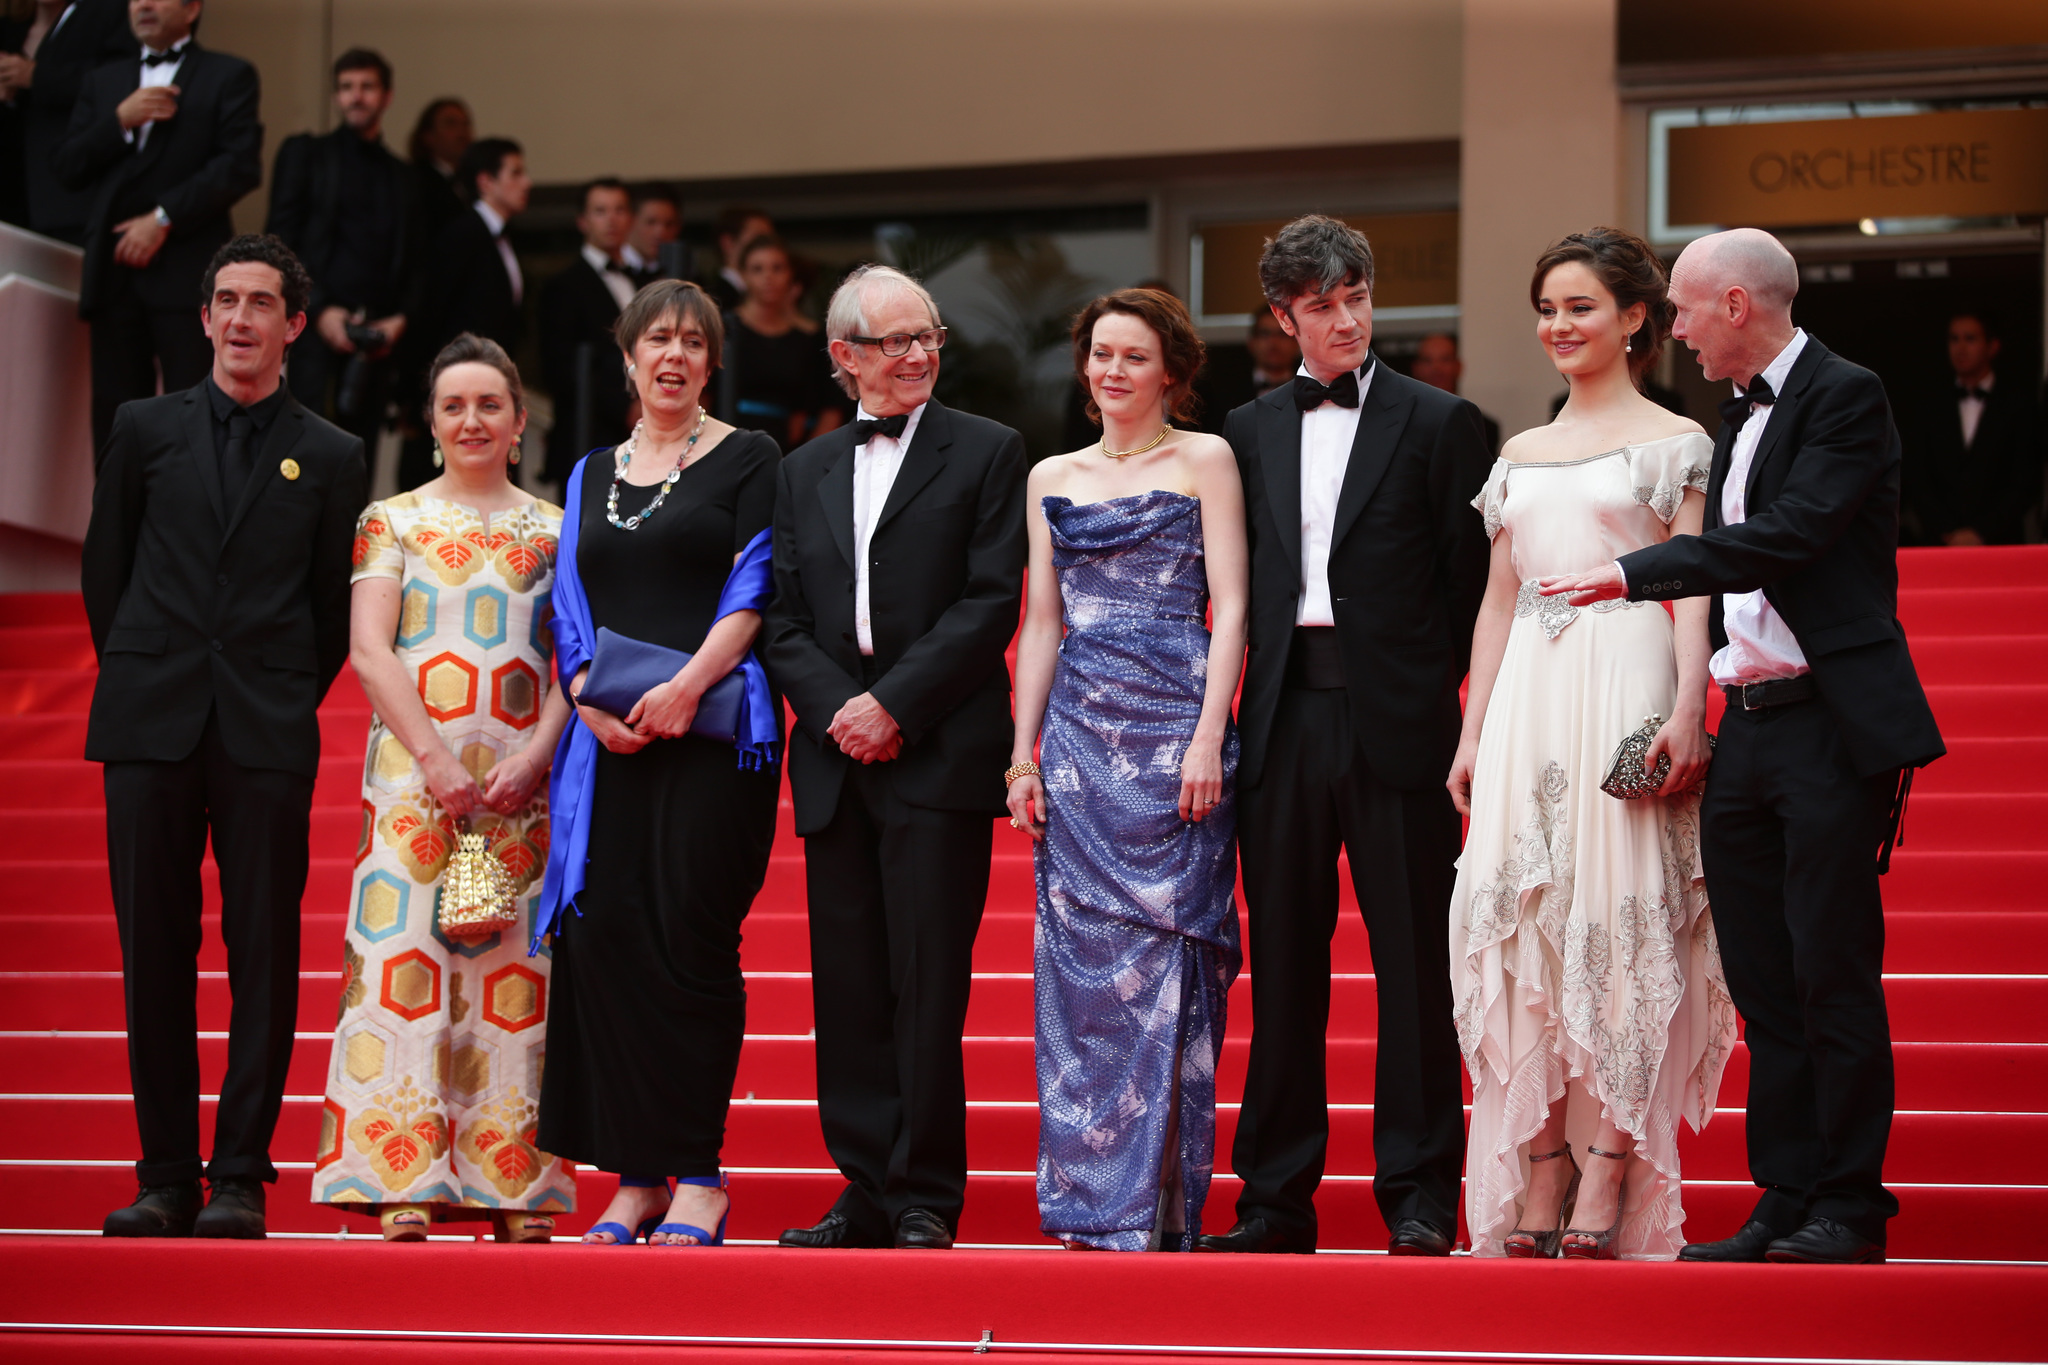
344, 205
1974, 471
657, 221
899, 559
86, 36
1826, 721
737, 225
164, 146
1438, 364
1368, 564
579, 356
216, 572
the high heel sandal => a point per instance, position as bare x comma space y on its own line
621, 1235
405, 1222
518, 1226
1525, 1244
704, 1239
1598, 1246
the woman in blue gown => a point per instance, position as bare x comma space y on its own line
1126, 693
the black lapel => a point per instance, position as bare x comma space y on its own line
835, 494
1383, 412
199, 447
286, 432
1810, 356
921, 463
1717, 474
1280, 457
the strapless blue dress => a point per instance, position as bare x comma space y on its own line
1137, 939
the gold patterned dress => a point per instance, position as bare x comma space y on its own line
439, 1043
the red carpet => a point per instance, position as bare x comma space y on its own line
1967, 977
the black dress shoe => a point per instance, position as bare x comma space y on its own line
922, 1229
1417, 1237
1823, 1241
158, 1211
1746, 1245
235, 1210
1257, 1236
835, 1229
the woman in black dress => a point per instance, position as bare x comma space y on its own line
781, 373
649, 1006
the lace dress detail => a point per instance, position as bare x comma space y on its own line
1584, 964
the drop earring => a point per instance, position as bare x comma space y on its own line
437, 455
513, 458
1628, 343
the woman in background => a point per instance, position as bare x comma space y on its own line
781, 374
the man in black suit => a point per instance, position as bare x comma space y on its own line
899, 559
1826, 721
86, 36
657, 223
165, 146
1974, 470
344, 205
1368, 564
1234, 376
1438, 364
216, 574
579, 356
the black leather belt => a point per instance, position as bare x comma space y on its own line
1756, 696
1313, 659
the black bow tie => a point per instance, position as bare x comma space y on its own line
1735, 411
1964, 391
1309, 394
892, 427
161, 58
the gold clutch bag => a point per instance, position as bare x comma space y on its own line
1625, 778
476, 890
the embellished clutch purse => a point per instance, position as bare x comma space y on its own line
1625, 779
476, 890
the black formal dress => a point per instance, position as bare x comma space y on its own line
216, 572
345, 208
649, 1007
1802, 798
766, 380
1987, 485
90, 34
1348, 732
896, 853
194, 167
580, 360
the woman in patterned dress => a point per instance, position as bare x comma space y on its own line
436, 1067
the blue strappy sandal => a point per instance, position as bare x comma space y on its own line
622, 1236
704, 1239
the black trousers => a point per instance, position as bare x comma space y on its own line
158, 819
131, 344
1790, 836
1316, 796
896, 894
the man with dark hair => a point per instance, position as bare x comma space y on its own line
87, 35
1974, 471
343, 203
1368, 564
579, 358
657, 221
216, 572
738, 224
164, 146
1234, 377
1438, 364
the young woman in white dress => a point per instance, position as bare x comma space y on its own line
1590, 1002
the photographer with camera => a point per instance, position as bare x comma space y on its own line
346, 206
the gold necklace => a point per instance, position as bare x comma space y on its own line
1164, 432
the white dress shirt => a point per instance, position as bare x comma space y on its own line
635, 262
497, 227
1326, 436
875, 466
163, 73
611, 272
1760, 645
1971, 410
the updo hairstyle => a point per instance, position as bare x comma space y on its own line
1181, 351
1627, 269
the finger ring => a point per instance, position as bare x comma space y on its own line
1014, 824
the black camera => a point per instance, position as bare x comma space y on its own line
358, 395
364, 338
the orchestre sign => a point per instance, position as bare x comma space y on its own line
1964, 164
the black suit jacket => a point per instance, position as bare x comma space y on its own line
1408, 561
579, 357
467, 287
1988, 486
1821, 542
945, 588
96, 33
306, 202
194, 166
198, 608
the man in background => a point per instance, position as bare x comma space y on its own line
580, 360
657, 221
1438, 365
737, 226
344, 205
86, 36
1227, 385
441, 135
1974, 470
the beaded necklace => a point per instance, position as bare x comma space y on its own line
623, 460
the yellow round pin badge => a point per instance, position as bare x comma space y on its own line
290, 469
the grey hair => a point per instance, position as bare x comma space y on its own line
1753, 259
846, 316
1312, 255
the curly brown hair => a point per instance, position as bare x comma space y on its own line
1627, 269
1180, 345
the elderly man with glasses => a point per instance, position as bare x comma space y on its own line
899, 560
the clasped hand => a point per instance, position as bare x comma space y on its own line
865, 731
506, 788
666, 711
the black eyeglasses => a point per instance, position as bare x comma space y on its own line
898, 343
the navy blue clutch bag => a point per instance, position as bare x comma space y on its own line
623, 670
